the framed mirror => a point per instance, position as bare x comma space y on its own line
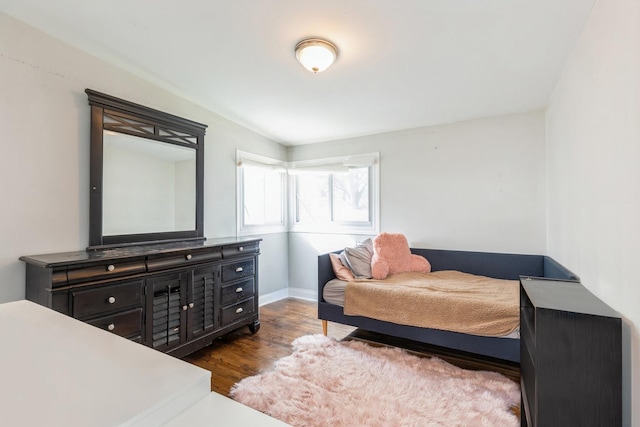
147, 173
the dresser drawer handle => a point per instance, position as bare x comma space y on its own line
238, 290
191, 305
239, 270
239, 310
188, 257
111, 267
240, 249
111, 327
184, 307
111, 300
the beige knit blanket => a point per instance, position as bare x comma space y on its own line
447, 300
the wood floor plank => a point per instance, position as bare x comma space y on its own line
240, 354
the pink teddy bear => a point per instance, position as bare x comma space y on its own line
391, 255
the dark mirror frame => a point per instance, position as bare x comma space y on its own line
137, 120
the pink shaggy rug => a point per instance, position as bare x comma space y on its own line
348, 383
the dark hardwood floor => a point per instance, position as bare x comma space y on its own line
240, 354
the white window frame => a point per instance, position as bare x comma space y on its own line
268, 163
371, 227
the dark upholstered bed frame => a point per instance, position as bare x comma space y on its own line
499, 266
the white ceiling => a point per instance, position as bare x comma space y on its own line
402, 63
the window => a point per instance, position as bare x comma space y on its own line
336, 199
261, 195
338, 195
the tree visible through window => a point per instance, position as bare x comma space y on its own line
312, 191
330, 195
351, 196
324, 198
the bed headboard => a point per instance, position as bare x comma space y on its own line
500, 266
554, 270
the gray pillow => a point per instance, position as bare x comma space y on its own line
358, 259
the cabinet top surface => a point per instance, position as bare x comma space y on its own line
65, 258
565, 296
92, 377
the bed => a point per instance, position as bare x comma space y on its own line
491, 265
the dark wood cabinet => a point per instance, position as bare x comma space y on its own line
204, 301
174, 297
115, 306
166, 324
238, 290
570, 356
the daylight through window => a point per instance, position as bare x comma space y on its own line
336, 195
340, 199
261, 198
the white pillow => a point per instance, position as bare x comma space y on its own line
358, 259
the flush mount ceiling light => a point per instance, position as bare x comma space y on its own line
316, 55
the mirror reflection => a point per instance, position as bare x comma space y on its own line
148, 186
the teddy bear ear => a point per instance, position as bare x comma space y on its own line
396, 239
420, 264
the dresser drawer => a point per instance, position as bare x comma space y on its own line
104, 271
127, 324
237, 311
187, 258
240, 249
238, 291
238, 270
94, 301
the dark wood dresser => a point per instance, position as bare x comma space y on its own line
174, 297
570, 356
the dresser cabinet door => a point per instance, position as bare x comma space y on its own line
166, 310
204, 301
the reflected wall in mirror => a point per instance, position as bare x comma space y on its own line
148, 186
147, 173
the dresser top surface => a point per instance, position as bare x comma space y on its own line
66, 258
565, 296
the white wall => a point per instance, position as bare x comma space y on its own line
44, 153
136, 189
477, 185
593, 152
185, 201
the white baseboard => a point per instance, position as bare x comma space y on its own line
304, 294
273, 296
299, 293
